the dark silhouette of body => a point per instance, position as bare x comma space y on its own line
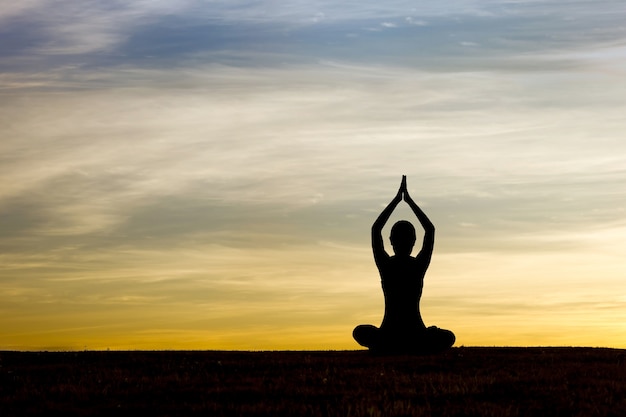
402, 277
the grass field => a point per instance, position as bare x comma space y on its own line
460, 382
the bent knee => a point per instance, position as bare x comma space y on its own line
442, 338
448, 337
365, 334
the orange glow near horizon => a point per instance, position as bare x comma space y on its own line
313, 313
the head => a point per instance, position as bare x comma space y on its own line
402, 237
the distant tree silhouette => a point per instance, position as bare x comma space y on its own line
402, 278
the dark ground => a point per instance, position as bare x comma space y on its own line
461, 382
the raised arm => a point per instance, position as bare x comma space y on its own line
377, 228
429, 228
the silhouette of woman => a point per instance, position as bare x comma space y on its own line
402, 278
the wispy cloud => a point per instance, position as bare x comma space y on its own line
243, 137
151, 32
65, 27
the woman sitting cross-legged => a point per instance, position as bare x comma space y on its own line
402, 277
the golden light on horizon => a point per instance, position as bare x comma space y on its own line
256, 310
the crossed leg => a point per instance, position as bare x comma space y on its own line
430, 340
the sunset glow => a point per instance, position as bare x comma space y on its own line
204, 174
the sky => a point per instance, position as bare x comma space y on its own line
204, 174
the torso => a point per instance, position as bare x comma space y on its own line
402, 281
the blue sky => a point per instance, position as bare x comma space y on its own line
205, 174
